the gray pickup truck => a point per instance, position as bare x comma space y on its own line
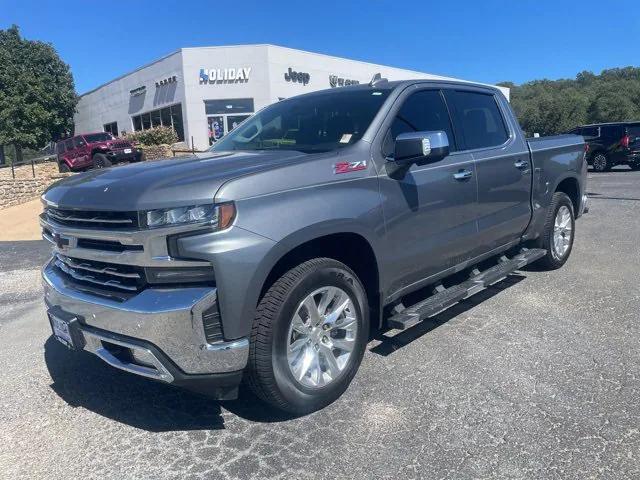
318, 220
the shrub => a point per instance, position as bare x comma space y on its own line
154, 136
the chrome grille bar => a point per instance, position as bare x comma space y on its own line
70, 218
91, 279
105, 270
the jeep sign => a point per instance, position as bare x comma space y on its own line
299, 77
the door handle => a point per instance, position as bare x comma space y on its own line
521, 164
463, 175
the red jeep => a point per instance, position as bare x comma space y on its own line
94, 150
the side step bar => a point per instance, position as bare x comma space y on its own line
447, 297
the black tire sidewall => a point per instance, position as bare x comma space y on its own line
300, 397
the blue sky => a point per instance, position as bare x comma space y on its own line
485, 40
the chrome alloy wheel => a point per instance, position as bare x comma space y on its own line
600, 162
562, 232
322, 336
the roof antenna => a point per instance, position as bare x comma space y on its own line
377, 78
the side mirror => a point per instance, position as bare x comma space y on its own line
417, 147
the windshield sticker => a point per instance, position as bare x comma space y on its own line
346, 138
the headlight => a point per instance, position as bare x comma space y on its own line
219, 216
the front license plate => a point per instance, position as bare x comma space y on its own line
127, 150
61, 331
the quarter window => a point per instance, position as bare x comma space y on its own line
478, 119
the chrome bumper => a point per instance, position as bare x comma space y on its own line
168, 318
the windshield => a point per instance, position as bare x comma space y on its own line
98, 137
315, 123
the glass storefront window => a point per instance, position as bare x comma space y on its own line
168, 117
231, 105
234, 120
216, 128
146, 121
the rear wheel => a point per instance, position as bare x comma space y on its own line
100, 160
308, 337
557, 238
601, 162
63, 168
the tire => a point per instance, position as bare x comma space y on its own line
600, 162
555, 257
271, 366
140, 157
100, 160
63, 168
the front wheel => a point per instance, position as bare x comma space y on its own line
308, 337
559, 227
100, 160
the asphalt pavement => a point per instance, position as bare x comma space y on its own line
536, 377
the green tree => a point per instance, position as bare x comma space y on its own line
37, 93
555, 106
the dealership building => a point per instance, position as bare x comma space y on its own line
204, 92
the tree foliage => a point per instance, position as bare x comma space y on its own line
37, 93
554, 106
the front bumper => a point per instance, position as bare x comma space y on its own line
117, 156
160, 326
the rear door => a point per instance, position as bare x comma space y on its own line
488, 132
429, 208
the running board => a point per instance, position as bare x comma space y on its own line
445, 298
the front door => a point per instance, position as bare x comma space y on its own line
502, 163
429, 210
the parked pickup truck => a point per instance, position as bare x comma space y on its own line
272, 256
94, 150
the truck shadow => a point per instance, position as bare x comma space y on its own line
390, 344
83, 380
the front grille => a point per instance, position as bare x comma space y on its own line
120, 145
92, 218
107, 276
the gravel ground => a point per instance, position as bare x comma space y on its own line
537, 377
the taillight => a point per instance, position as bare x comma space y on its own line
625, 141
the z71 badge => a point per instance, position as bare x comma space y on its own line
346, 167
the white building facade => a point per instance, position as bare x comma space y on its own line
203, 93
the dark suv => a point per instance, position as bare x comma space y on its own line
611, 144
94, 150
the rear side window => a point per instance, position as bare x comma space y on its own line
423, 111
589, 132
78, 142
478, 119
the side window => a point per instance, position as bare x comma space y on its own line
590, 132
478, 119
68, 144
78, 142
423, 111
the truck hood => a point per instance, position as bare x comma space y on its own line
167, 183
